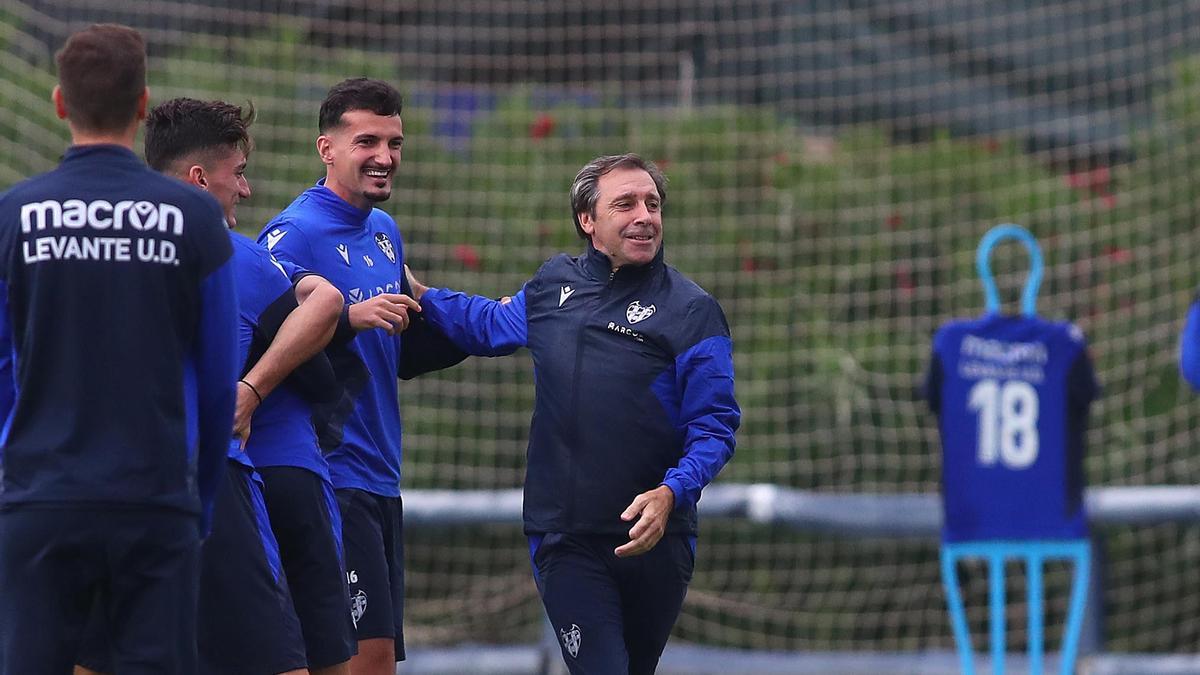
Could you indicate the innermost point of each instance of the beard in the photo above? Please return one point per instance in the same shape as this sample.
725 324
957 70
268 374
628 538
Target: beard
373 193
378 194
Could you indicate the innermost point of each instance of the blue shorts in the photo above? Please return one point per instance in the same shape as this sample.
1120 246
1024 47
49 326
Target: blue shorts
246 623
134 567
610 614
306 522
371 532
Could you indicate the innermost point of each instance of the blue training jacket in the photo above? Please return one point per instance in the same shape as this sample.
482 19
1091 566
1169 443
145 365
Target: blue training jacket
634 377
118 343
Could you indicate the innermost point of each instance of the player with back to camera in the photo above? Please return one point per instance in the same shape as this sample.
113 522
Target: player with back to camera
119 340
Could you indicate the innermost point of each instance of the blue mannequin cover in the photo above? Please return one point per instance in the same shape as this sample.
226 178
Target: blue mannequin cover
1012 396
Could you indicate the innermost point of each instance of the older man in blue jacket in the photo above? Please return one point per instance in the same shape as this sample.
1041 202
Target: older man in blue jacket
635 414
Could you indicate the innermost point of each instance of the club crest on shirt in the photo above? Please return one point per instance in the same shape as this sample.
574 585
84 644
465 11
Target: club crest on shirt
571 639
635 312
385 245
358 606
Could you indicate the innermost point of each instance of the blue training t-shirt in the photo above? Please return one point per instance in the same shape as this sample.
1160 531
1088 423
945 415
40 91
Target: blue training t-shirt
1012 397
281 432
361 253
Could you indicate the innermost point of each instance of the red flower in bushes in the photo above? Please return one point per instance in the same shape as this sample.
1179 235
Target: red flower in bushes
467 255
542 127
1118 254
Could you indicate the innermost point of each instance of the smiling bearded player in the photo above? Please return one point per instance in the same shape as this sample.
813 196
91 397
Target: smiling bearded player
334 229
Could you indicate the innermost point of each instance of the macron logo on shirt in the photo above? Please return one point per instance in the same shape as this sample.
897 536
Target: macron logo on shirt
273 238
74 214
564 293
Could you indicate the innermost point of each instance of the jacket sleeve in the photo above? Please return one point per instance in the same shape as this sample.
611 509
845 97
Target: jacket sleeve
8 386
215 356
424 348
479 326
1189 346
708 411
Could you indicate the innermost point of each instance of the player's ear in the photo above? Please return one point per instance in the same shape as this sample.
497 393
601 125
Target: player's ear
325 148
587 223
143 103
60 103
197 176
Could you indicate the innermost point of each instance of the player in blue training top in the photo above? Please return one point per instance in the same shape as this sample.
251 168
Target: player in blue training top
286 317
333 229
1012 395
119 343
1189 346
183 135
635 415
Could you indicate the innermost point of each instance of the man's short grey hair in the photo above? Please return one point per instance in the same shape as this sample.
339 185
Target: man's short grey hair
585 191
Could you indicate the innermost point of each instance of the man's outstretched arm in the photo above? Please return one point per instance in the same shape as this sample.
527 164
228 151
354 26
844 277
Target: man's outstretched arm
478 325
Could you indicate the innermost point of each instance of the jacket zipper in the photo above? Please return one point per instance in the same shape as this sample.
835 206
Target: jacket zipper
573 494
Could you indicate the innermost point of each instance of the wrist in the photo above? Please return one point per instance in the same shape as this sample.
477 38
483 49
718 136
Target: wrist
352 316
253 389
669 493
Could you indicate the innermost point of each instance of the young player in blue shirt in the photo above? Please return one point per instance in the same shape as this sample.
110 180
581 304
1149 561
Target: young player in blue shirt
118 330
286 316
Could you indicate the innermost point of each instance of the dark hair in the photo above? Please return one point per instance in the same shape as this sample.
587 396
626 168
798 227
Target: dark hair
182 126
358 93
585 190
102 74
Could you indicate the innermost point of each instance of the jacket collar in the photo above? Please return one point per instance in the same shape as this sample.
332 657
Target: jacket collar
103 151
599 266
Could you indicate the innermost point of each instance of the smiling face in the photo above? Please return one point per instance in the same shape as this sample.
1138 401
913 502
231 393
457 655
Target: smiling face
220 172
627 221
361 156
224 177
